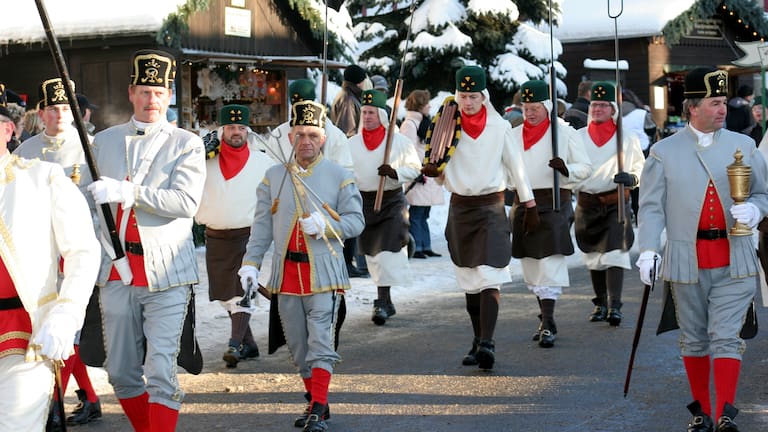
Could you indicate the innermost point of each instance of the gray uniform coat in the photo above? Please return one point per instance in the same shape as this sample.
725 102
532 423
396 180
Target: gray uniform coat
166 200
336 186
672 192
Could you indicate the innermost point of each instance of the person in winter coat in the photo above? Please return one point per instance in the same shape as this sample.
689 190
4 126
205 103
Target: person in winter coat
424 192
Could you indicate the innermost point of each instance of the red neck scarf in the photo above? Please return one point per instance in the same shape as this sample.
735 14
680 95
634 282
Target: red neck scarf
601 133
232 160
532 134
373 138
474 124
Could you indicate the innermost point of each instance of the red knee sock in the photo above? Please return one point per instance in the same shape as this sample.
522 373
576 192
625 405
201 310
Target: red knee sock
726 379
321 379
162 418
697 369
80 373
308 384
137 411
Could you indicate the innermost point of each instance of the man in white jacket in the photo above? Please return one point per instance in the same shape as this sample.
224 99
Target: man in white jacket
45 217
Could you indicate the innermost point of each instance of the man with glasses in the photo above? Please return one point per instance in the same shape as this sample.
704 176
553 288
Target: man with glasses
604 241
308 273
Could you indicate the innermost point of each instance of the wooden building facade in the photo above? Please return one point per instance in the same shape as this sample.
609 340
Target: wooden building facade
236 51
657 70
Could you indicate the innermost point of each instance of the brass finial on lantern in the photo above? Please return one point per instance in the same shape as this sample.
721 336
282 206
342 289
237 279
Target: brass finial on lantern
738 180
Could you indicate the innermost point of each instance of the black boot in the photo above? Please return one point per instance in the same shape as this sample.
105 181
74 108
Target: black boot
315 420
600 313
85 410
614 314
486 354
232 355
537 333
471 359
54 418
379 316
302 419
547 335
725 423
700 421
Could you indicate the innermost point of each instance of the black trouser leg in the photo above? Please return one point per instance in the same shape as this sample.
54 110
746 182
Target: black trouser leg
489 313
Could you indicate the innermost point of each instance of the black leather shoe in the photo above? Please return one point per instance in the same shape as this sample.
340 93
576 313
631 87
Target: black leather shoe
315 421
85 411
546 339
389 308
380 315
600 313
537 333
725 423
486 354
249 351
700 422
419 255
232 356
302 419
430 253
54 418
614 315
471 359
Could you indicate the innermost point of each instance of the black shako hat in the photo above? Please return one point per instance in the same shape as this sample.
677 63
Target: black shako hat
706 82
308 113
52 92
153 68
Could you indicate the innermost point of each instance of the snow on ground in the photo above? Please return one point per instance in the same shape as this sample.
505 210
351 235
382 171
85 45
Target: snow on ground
431 278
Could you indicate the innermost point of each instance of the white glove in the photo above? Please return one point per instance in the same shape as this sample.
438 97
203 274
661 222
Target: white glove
249 275
746 213
57 334
314 225
647 271
109 190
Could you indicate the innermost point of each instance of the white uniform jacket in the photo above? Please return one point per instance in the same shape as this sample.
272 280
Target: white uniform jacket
44 216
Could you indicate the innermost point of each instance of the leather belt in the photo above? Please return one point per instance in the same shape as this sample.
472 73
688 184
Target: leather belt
299 257
711 234
134 247
10 303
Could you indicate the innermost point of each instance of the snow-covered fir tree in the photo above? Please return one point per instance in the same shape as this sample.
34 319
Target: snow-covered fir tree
499 35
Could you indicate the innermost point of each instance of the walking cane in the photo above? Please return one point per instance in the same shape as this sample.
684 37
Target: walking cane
57 365
639 328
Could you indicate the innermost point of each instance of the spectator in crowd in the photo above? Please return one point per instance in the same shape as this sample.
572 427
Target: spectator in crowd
756 132
636 117
32 124
739 117
423 192
576 115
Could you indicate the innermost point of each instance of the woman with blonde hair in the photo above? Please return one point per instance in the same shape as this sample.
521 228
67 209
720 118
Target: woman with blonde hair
32 124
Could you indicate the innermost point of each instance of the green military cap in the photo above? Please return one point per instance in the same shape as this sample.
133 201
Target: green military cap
604 91
706 82
375 98
52 92
470 79
234 114
308 113
302 89
534 91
